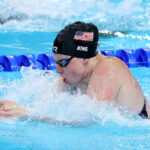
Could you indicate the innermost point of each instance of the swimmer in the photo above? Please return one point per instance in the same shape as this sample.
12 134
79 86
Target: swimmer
81 66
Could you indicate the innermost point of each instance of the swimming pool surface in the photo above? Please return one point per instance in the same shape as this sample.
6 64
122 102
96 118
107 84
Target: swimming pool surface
24 30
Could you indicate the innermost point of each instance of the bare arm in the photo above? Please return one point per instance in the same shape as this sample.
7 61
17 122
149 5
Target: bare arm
10 109
105 81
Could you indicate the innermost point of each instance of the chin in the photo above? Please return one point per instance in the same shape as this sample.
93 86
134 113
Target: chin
70 83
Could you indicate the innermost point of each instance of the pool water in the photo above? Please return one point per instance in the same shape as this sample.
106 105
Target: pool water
24 30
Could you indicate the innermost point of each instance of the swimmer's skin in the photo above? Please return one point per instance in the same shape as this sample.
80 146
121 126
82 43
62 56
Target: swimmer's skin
10 109
107 78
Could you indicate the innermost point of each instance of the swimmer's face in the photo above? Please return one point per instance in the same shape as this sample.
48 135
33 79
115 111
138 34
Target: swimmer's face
73 72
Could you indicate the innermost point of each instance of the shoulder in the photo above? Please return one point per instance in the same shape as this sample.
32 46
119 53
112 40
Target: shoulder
110 70
107 78
110 65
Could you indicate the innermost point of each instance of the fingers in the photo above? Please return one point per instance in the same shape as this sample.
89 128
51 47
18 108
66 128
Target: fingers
7 105
10 109
5 117
6 113
2 102
6 109
5 102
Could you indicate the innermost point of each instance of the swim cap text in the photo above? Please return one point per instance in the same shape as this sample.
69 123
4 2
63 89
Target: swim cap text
82 48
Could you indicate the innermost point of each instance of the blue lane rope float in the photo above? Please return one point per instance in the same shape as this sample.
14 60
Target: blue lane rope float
127 56
26 60
133 58
46 61
8 63
143 57
108 52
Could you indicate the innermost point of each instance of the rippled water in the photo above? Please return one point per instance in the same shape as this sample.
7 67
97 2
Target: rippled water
79 123
29 27
51 15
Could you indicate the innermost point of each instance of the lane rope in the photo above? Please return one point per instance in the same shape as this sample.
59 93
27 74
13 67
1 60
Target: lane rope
133 58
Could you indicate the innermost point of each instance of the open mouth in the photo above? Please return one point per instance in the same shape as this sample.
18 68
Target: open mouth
65 81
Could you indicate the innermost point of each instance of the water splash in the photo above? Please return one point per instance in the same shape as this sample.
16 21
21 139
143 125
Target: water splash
37 92
52 15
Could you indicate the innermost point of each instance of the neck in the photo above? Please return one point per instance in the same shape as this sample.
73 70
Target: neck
92 64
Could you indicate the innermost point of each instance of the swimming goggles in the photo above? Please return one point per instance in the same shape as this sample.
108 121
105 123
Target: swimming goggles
63 62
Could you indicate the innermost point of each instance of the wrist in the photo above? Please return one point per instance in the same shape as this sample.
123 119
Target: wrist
23 113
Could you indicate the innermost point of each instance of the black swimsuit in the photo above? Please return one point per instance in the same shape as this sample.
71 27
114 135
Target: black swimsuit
143 113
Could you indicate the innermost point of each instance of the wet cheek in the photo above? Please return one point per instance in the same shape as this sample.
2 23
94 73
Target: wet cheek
75 76
71 76
73 72
77 73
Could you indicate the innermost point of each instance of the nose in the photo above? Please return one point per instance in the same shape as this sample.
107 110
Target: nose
59 69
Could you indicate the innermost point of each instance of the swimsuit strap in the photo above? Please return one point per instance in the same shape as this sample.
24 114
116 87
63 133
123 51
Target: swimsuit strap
143 113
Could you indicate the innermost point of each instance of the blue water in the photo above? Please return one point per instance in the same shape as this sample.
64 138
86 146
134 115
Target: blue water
122 25
16 43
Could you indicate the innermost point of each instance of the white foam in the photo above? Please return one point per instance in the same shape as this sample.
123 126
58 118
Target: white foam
37 92
140 37
52 15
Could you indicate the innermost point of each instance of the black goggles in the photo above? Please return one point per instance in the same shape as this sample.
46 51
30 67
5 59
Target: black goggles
63 62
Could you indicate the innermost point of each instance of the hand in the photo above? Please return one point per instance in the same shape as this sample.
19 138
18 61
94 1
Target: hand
10 109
